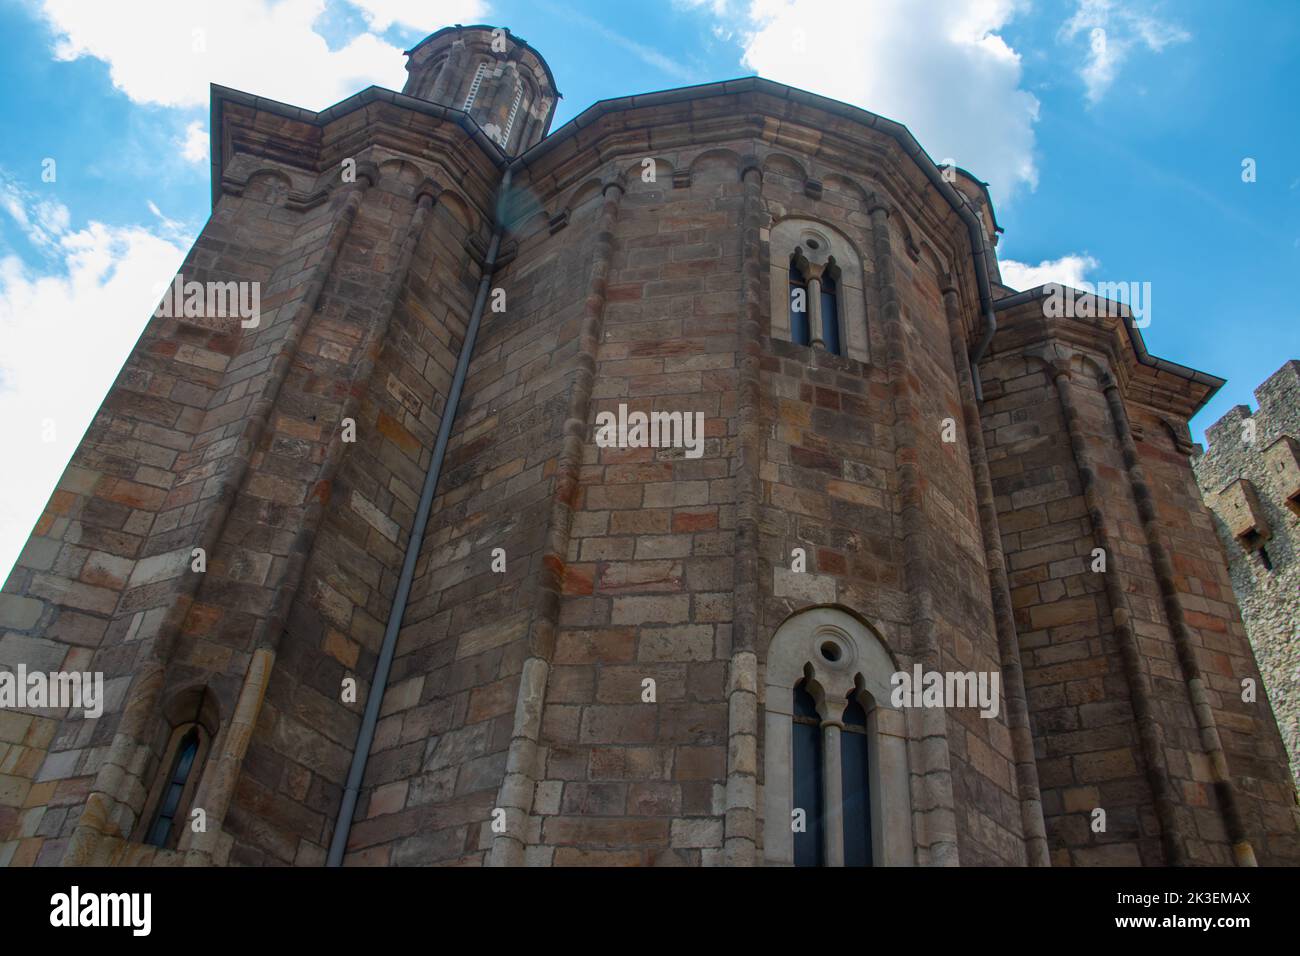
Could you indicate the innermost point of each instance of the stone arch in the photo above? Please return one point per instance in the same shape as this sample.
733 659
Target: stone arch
715 166
522 210
779 164
268 185
791 236
843 184
431 77
191 716
527 221
583 194
906 234
400 170
839 654
457 207
663 172
1083 363
195 703
934 259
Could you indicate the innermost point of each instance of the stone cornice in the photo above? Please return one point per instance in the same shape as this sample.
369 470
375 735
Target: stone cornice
309 150
1140 376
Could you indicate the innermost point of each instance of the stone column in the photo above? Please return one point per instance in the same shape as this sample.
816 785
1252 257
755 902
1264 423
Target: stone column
936 825
523 759
815 337
832 793
740 844
1183 643
1150 733
447 85
1013 678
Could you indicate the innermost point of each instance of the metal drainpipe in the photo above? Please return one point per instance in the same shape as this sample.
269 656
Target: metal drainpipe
979 253
379 683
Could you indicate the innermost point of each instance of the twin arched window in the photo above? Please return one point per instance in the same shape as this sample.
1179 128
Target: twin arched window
818 288
836 786
810 780
814 304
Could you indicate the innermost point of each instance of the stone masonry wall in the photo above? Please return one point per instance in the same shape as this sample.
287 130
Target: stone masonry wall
440 749
1107 653
517 691
108 557
1269 598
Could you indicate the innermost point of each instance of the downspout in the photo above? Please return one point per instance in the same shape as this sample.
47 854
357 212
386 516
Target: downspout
979 252
379 683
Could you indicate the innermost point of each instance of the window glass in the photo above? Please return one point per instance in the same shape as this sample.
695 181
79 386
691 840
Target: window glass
856 785
830 315
171 798
809 845
799 329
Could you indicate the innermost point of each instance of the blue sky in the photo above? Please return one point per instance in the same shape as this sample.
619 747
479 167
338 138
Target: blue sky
1112 133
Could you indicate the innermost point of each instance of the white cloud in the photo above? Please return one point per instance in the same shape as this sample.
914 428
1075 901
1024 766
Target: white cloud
381 14
66 335
262 47
1068 270
1113 31
940 68
40 220
195 145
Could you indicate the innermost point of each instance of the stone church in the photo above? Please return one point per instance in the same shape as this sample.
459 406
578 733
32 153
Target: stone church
363 588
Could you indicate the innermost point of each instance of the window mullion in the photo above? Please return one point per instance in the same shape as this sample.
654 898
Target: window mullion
832 782
817 339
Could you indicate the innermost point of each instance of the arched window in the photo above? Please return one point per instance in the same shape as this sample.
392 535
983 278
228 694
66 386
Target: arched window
798 304
830 313
809 840
805 254
835 755
161 830
474 85
193 719
510 119
855 760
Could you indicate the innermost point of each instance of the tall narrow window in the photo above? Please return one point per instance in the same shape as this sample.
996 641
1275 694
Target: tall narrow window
510 121
799 329
809 846
161 830
830 315
473 87
854 756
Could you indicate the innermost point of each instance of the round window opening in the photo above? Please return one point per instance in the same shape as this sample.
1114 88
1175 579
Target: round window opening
814 244
831 651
